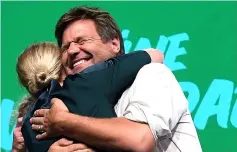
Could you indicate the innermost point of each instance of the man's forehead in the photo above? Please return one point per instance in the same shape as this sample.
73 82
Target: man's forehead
79 28
71 33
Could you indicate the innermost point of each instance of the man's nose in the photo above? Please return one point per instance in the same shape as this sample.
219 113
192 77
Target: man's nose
73 49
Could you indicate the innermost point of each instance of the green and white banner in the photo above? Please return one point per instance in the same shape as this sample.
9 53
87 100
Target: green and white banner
199 40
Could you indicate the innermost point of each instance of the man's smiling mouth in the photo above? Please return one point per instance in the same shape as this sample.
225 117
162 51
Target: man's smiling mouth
79 62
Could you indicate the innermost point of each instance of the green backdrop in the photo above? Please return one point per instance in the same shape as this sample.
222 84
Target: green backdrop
197 38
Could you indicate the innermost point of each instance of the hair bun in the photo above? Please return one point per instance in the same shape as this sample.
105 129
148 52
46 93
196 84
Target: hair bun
42 79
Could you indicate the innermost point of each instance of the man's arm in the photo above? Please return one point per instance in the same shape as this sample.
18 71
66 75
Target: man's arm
115 134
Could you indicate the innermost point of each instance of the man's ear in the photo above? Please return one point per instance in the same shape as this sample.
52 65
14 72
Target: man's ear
115 43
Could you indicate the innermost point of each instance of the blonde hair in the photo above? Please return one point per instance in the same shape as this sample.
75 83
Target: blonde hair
24 105
38 65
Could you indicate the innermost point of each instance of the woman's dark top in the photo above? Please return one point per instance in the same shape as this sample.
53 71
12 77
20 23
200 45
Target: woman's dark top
92 92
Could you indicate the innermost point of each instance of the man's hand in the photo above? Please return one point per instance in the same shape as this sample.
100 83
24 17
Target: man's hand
46 120
18 140
38 119
64 145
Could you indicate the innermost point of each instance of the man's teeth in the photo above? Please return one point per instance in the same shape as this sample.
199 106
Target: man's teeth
79 62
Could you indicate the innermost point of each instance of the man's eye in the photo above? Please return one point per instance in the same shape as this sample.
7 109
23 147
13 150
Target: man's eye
82 41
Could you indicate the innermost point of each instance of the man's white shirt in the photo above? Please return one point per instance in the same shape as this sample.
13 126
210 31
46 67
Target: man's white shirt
156 98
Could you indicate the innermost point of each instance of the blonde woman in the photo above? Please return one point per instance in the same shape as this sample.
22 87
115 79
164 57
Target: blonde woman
92 92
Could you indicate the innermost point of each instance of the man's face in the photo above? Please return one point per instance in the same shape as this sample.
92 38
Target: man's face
83 46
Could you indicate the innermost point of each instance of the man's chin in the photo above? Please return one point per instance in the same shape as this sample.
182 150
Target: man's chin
75 70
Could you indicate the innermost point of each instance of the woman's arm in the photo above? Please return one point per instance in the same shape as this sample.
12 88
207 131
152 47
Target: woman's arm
156 55
18 140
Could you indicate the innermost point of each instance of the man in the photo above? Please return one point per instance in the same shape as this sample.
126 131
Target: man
152 113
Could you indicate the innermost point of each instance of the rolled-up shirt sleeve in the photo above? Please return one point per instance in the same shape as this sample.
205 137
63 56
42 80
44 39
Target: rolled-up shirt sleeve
152 100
